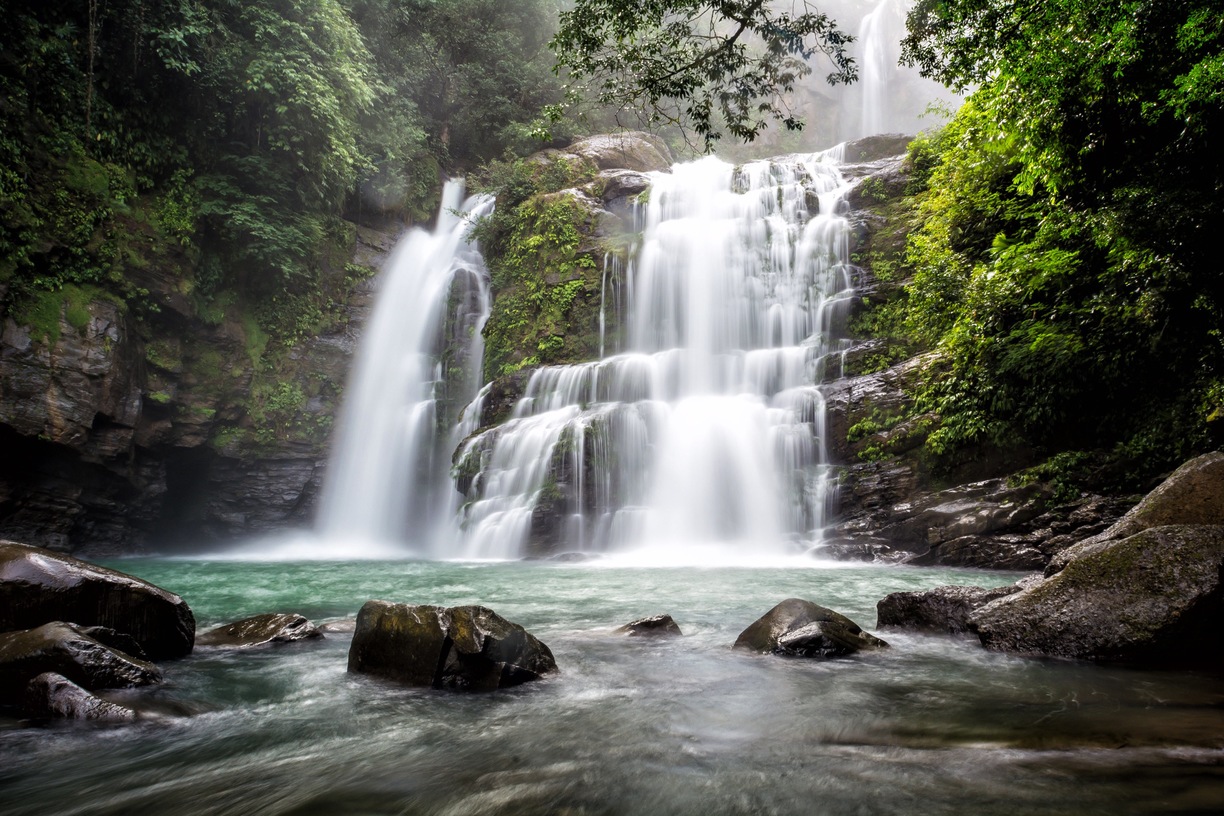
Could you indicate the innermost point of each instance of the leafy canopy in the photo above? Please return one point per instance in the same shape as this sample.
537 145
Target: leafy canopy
1066 265
707 66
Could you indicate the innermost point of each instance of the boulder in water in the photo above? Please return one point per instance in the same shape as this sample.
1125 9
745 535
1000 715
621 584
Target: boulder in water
654 626
469 648
69 650
801 628
1156 597
260 629
1192 494
38 586
53 696
942 609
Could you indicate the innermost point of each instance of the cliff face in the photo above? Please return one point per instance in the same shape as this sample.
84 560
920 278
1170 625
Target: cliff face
122 433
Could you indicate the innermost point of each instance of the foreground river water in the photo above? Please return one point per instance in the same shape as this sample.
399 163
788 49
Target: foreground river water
628 726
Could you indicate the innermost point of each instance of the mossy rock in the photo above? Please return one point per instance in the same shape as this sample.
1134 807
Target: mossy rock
546 286
1156 597
465 648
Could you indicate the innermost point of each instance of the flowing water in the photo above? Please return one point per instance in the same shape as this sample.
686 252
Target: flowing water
888 97
627 726
389 477
707 430
691 457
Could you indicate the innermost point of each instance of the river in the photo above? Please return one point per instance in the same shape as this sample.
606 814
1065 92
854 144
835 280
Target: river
627 725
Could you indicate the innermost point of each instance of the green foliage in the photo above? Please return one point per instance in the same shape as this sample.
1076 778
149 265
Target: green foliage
461 81
701 65
545 280
872 190
1061 267
46 312
219 141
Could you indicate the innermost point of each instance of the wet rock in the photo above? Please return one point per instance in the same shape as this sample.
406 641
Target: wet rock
261 629
634 150
574 557
58 390
37 586
1156 597
803 629
53 696
875 148
891 510
246 496
618 185
876 182
67 649
655 626
1192 494
942 609
504 392
114 435
469 648
345 626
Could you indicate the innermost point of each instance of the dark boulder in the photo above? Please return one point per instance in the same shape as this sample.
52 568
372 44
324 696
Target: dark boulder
468 648
53 696
261 629
1156 597
69 650
38 586
942 609
655 626
803 629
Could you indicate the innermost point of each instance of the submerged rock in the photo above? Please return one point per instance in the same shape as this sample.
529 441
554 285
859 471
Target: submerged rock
69 650
261 629
1153 597
801 628
655 626
942 609
38 586
51 695
344 626
469 648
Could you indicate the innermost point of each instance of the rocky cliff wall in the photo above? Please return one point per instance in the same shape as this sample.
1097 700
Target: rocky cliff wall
123 432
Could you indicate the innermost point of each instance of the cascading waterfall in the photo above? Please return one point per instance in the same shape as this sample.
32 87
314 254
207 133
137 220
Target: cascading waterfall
708 432
877 60
888 97
388 481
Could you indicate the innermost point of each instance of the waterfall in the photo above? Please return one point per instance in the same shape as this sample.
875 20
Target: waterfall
388 481
879 48
705 433
888 97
